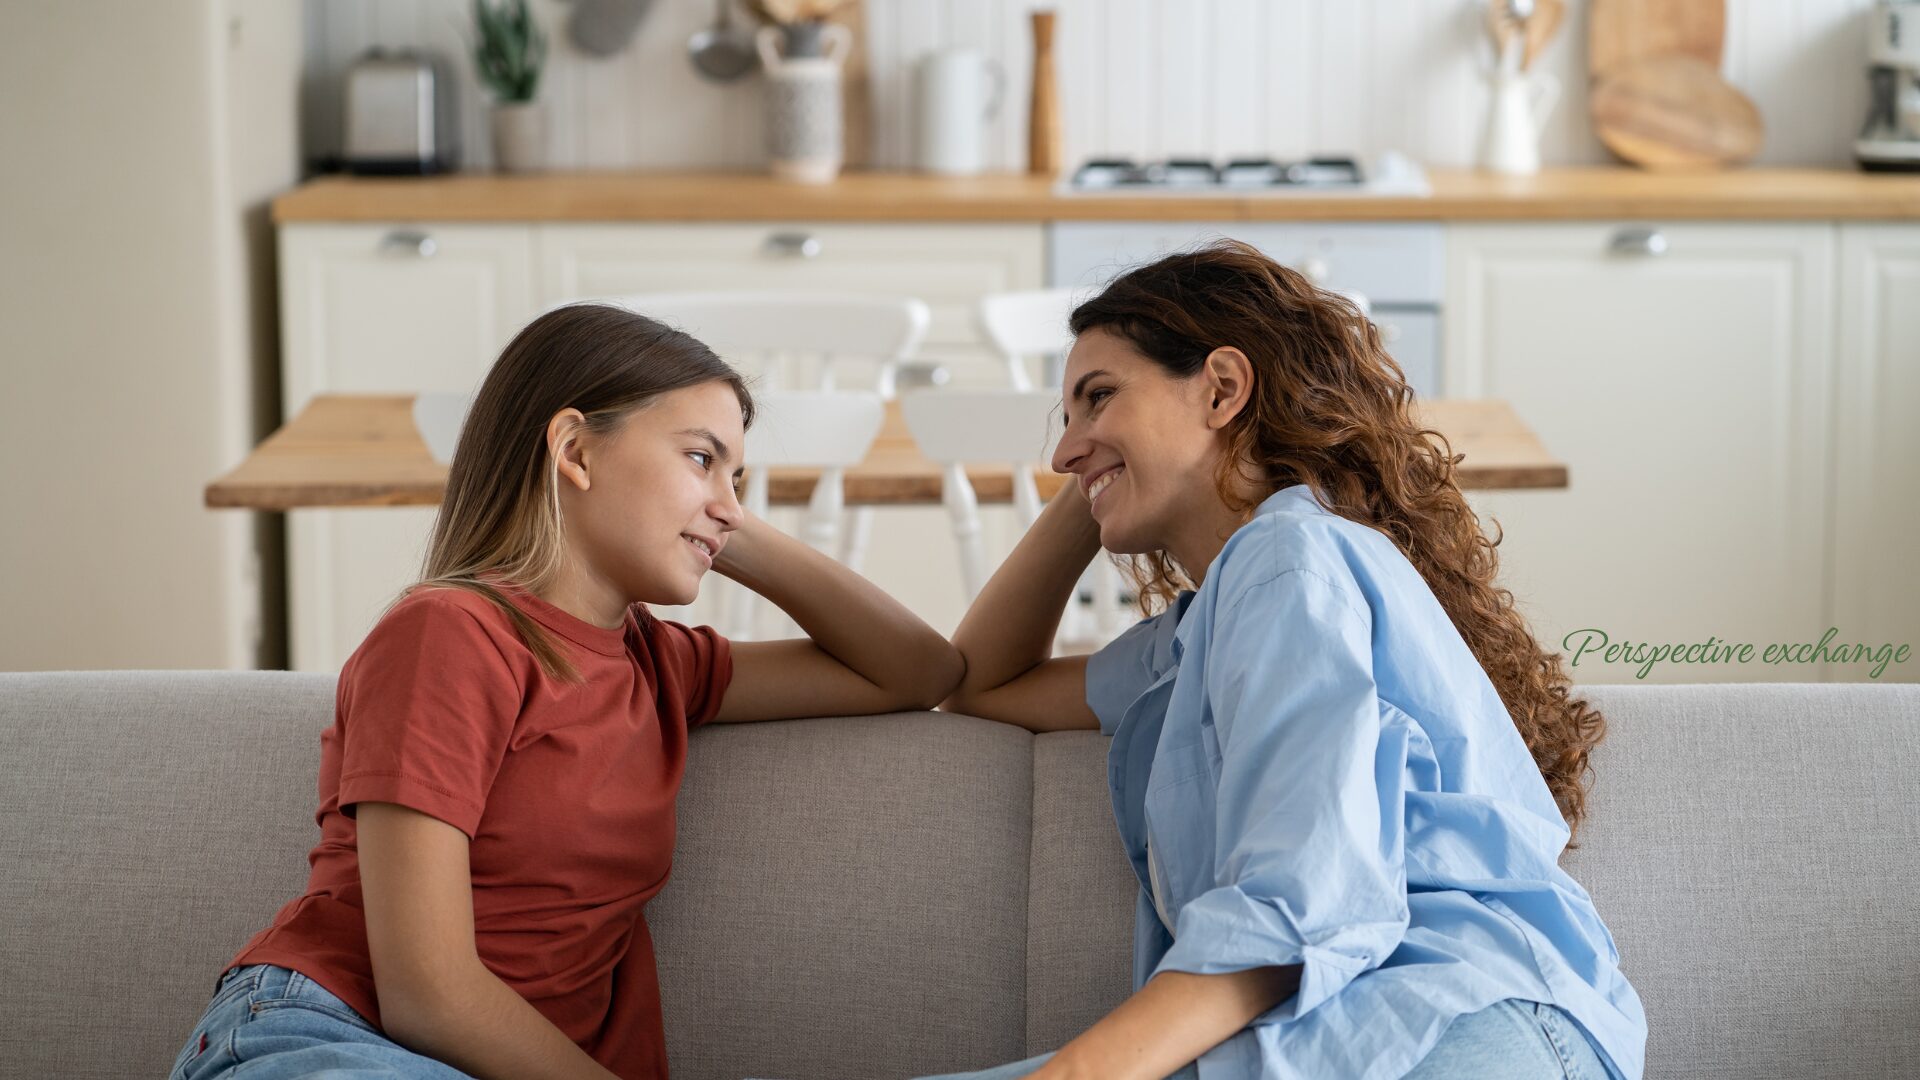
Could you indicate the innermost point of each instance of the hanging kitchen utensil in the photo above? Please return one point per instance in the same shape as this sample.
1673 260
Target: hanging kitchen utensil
1507 26
1545 22
604 27
1675 112
723 52
1622 31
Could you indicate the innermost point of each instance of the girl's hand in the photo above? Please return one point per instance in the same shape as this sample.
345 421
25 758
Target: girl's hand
738 551
864 653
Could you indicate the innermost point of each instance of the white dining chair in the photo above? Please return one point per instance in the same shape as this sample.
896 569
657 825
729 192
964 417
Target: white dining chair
773 333
1032 323
957 428
1027 323
798 340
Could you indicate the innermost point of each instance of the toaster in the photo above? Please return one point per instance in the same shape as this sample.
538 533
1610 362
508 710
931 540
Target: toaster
399 114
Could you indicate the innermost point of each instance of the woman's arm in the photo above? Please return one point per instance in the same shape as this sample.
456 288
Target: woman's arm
436 997
864 652
1006 638
1174 1019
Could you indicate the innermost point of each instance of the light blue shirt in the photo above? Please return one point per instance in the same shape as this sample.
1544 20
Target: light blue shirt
1330 779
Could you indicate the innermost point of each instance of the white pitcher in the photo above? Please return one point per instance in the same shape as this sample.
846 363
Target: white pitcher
1518 106
956 94
804 141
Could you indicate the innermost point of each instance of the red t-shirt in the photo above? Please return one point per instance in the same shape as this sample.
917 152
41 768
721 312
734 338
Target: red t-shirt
566 793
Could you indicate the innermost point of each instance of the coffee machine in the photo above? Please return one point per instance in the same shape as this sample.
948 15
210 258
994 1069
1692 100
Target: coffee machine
1890 141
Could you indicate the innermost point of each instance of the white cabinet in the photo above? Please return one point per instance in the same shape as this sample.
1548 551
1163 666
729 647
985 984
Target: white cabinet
1876 491
1689 393
372 309
404 308
948 266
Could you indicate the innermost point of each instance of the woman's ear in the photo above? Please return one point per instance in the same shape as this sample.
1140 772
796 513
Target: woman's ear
564 433
1229 385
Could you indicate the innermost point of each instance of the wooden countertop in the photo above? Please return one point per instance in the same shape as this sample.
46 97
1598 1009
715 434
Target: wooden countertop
363 450
1600 192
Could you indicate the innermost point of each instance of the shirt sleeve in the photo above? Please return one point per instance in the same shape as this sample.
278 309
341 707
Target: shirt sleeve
1310 829
1121 670
694 665
429 708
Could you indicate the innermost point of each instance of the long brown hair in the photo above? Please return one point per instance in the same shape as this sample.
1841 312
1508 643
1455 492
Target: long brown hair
1332 410
500 520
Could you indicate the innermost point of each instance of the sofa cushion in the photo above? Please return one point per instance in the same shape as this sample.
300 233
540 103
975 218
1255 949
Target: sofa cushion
1755 850
153 821
849 899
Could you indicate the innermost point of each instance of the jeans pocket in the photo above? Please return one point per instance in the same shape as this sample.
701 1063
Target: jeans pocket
238 983
209 1040
303 993
206 1053
1577 1058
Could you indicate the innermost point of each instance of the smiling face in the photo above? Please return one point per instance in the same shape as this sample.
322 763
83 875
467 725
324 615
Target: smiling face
648 507
1143 445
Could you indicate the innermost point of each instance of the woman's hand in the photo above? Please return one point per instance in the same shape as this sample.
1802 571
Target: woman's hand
864 651
1007 636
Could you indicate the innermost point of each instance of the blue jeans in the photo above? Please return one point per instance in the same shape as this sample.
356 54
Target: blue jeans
282 1024
1508 1040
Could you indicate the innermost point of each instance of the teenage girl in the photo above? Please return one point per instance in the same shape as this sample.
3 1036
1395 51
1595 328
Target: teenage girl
1342 768
497 789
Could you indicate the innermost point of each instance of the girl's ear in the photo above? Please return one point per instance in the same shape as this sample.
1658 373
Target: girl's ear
1229 385
564 433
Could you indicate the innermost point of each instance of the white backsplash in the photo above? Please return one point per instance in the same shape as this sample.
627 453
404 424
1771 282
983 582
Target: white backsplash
1138 78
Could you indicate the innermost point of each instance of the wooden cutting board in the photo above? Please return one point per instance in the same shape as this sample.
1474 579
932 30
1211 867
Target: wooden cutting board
1621 31
1675 112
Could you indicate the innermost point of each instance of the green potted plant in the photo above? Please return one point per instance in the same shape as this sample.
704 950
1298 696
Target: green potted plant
508 55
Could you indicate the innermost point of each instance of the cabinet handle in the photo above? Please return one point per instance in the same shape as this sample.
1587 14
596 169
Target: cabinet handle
409 242
794 245
1638 241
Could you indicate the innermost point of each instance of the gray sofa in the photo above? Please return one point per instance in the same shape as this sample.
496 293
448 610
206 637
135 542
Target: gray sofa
892 896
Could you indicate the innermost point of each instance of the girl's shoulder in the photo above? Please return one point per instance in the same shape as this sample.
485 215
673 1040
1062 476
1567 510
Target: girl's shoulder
451 629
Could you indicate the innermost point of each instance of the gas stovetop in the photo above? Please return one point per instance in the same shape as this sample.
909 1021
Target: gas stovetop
1389 174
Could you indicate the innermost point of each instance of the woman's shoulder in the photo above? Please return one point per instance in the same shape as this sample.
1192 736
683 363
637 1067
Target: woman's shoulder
1281 542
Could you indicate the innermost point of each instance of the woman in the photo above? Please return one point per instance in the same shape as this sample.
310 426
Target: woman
497 790
1341 766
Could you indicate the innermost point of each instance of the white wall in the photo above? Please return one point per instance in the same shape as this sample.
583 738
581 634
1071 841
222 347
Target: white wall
1143 78
141 142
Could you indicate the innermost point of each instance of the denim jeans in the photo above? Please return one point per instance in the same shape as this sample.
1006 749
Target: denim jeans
1508 1040
282 1024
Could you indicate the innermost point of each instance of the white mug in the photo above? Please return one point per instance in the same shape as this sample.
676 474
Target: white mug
957 91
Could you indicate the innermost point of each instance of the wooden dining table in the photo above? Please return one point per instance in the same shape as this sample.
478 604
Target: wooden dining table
345 450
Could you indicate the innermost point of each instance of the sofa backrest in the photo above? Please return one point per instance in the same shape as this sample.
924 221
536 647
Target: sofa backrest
894 896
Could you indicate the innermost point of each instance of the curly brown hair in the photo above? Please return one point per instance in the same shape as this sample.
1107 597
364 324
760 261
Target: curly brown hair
1332 410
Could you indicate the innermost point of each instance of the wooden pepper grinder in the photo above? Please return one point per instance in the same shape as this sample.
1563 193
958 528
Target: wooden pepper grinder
1043 119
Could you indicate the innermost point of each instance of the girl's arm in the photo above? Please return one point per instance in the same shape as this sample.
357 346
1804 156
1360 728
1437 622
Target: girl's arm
864 652
1007 636
436 996
1174 1019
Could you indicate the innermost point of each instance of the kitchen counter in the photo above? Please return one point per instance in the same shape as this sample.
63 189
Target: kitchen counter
1601 192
